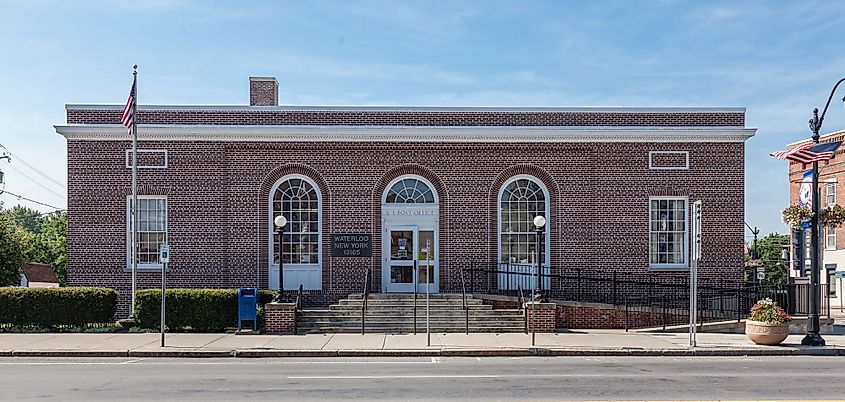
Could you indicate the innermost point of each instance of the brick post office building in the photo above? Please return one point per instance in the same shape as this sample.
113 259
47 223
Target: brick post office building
463 183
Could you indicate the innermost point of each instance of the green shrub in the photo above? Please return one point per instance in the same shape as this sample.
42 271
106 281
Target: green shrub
195 309
48 307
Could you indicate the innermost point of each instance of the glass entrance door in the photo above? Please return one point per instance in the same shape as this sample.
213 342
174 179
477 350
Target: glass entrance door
411 259
401 261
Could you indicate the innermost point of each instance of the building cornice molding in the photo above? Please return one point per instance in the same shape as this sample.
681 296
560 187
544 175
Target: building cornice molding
493 134
456 109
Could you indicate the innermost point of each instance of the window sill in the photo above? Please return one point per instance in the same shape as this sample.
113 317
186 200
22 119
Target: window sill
662 268
146 268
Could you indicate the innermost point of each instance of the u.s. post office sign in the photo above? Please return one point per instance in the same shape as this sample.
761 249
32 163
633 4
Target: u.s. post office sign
352 245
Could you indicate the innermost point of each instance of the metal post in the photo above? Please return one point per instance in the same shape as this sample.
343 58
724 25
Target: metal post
134 246
281 263
427 292
163 298
416 283
813 337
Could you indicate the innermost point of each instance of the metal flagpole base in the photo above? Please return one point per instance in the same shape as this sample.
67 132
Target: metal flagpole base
813 340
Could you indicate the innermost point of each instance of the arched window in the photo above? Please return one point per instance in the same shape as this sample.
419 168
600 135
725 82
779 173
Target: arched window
299 200
410 191
521 199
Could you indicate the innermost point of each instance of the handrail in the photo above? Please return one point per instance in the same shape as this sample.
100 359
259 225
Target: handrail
297 309
666 297
522 306
364 297
464 296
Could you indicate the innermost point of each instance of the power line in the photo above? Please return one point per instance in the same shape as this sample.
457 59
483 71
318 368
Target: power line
20 197
18 158
36 182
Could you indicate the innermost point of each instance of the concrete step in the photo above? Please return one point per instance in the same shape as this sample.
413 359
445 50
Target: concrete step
374 296
409 313
409 329
408 307
471 302
394 313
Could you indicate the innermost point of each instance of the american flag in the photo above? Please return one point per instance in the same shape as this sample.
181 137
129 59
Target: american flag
809 152
128 116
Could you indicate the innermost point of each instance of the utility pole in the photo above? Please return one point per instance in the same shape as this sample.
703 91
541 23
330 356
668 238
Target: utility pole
755 232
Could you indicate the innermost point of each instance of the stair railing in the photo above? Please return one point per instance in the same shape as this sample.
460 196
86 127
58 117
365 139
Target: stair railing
297 309
364 298
522 307
464 297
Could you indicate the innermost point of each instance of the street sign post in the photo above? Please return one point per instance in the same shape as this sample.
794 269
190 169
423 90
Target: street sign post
693 272
163 258
428 292
841 276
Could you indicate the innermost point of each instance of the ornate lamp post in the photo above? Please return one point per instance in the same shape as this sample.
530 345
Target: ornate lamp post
280 222
539 224
813 338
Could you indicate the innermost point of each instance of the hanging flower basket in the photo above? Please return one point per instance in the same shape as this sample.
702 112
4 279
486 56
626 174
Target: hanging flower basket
795 215
833 216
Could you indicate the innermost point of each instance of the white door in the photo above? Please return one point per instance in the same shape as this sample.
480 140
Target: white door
409 259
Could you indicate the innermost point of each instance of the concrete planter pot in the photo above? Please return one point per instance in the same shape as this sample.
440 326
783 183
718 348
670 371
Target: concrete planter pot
763 333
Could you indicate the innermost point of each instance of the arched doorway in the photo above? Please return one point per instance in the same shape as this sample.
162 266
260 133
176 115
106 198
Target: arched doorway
410 237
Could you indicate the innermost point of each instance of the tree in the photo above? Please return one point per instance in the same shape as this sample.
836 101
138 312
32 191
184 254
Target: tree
769 250
29 235
14 245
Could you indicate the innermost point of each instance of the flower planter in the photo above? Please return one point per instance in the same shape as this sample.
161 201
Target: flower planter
763 333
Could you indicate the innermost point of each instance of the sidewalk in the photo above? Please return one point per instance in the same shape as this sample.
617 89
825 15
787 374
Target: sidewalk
571 343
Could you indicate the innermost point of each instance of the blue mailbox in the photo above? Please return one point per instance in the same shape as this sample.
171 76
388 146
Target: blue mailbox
248 306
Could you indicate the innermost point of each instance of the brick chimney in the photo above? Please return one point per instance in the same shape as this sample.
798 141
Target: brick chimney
263 91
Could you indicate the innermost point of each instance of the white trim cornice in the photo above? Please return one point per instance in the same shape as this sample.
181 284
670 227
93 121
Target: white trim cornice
492 134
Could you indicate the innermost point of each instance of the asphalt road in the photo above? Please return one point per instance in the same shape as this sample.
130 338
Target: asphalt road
453 379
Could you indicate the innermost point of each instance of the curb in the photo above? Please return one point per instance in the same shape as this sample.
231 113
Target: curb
69 353
514 352
182 353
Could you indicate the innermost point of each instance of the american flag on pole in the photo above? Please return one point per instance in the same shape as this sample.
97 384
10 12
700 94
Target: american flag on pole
809 152
128 116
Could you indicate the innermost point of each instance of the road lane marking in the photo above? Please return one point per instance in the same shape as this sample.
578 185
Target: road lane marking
385 377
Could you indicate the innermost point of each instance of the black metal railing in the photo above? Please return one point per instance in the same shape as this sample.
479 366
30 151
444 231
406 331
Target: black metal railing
298 307
464 301
521 300
364 296
649 300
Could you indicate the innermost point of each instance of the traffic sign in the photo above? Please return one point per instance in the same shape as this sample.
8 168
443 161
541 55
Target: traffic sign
839 274
164 253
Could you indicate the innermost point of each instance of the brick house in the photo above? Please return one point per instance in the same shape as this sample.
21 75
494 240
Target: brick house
456 184
832 239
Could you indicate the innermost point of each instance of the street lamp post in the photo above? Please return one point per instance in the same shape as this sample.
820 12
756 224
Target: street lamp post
539 224
280 222
813 337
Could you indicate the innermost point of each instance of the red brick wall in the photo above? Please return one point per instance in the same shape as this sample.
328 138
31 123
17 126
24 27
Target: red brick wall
218 206
279 318
541 318
407 118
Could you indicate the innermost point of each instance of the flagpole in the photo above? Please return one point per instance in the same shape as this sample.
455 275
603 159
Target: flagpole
134 249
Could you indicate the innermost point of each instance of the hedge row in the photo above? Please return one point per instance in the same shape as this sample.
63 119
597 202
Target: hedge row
48 307
194 309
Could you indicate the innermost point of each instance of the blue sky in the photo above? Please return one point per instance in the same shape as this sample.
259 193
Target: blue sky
778 59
